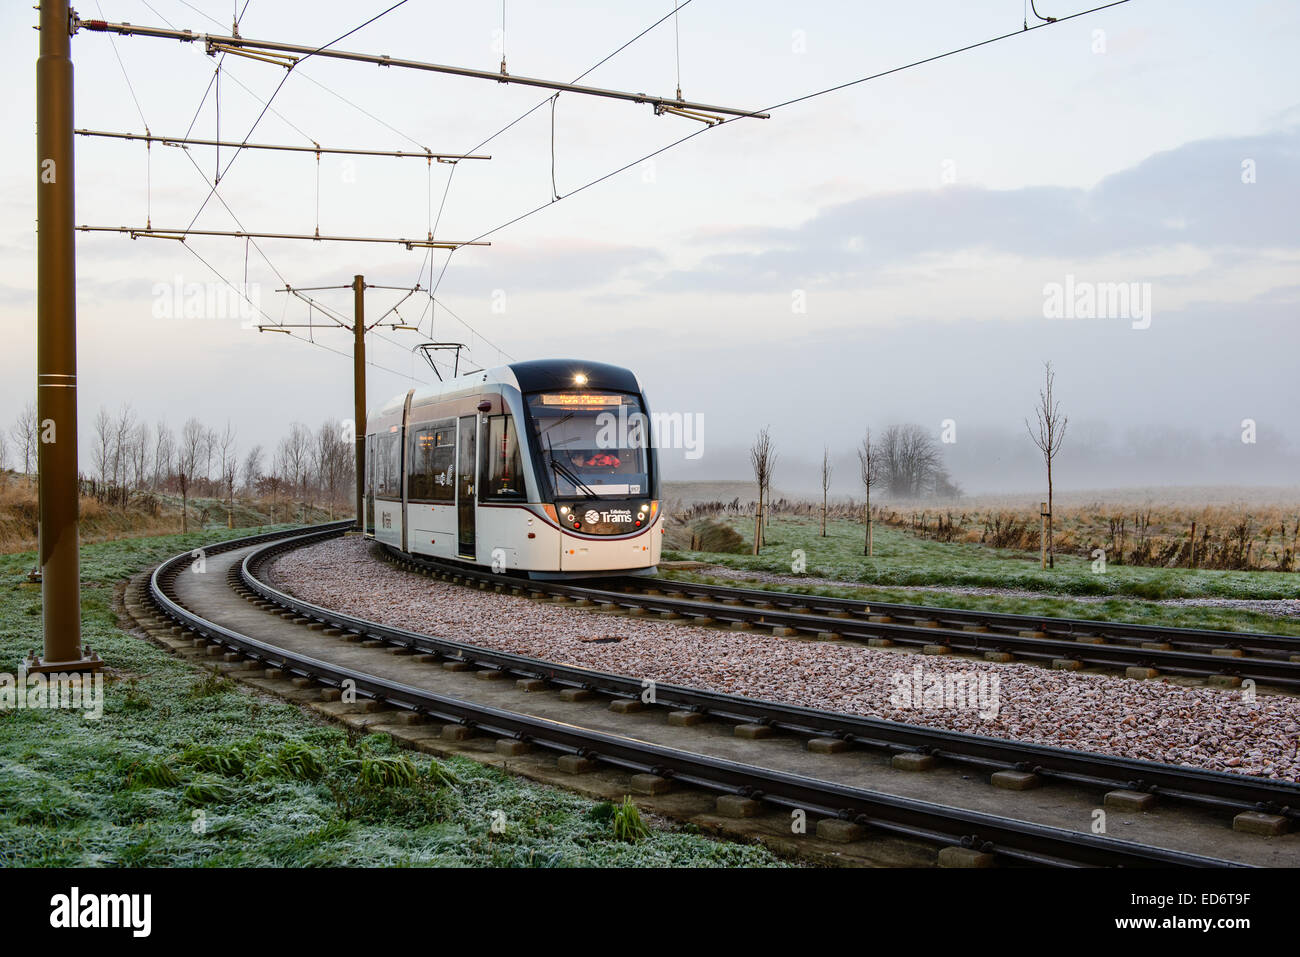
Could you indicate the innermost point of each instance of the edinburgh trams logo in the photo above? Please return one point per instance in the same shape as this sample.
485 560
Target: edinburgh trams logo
613 516
75 910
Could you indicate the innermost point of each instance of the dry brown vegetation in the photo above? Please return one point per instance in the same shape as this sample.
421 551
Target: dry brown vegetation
99 522
1258 537
1248 534
146 514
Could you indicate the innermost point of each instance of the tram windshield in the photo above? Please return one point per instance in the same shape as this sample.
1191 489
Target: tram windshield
591 444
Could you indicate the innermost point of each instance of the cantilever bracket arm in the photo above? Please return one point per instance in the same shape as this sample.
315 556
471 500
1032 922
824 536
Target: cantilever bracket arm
676 103
156 232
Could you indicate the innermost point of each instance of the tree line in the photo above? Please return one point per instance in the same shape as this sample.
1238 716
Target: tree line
907 461
131 458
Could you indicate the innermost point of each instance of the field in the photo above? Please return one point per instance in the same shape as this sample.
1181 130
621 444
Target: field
152 514
909 567
185 769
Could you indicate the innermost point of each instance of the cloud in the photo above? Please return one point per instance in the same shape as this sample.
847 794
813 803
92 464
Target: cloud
1193 196
555 267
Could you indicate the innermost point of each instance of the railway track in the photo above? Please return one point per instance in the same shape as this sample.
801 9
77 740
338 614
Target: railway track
1140 651
254 630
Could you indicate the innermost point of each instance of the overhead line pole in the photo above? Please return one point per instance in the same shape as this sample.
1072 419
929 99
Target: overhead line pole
213 41
359 330
359 390
56 352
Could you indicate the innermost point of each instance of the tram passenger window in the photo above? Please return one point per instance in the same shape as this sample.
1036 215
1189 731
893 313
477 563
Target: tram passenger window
393 465
370 464
432 463
388 465
503 478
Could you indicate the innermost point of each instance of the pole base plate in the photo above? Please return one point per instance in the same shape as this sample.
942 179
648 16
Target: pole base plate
36 665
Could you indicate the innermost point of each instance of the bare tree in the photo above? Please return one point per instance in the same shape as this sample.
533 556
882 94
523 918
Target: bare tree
333 461
164 449
228 464
275 480
24 433
123 427
869 466
910 462
210 440
762 457
189 458
101 453
294 458
252 469
826 483
139 445
4 460
1048 438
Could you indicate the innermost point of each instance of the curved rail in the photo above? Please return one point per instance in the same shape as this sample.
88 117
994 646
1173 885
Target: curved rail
1017 840
1215 789
1273 659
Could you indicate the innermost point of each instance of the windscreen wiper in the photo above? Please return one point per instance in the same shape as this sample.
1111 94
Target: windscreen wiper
567 473
578 483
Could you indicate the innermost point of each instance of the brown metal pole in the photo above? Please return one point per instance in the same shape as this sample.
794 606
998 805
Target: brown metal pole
359 387
56 350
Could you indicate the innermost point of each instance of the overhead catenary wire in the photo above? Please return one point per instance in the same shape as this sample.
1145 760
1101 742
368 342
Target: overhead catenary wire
315 147
677 42
769 109
800 99
434 285
130 87
213 83
267 107
424 150
235 44
289 69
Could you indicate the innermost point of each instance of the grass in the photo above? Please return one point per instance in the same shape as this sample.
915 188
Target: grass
904 559
189 769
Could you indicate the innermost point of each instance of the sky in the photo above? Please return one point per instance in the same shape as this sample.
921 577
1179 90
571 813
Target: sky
886 253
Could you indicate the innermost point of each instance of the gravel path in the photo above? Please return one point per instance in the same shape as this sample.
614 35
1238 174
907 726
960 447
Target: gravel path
1201 727
1281 607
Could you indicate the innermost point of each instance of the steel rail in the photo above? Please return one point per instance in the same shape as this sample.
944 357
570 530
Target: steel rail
1213 789
1073 627
1018 840
846 624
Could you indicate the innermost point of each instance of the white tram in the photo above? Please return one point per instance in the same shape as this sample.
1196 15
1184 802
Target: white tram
543 467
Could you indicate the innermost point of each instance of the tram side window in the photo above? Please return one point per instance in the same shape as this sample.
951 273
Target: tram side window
503 478
388 468
432 463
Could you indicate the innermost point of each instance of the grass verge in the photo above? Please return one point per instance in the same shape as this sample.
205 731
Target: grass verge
188 769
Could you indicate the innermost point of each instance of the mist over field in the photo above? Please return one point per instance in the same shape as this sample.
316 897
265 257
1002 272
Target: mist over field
990 462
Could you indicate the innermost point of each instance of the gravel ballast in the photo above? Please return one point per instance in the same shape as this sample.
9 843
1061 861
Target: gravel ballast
1218 729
